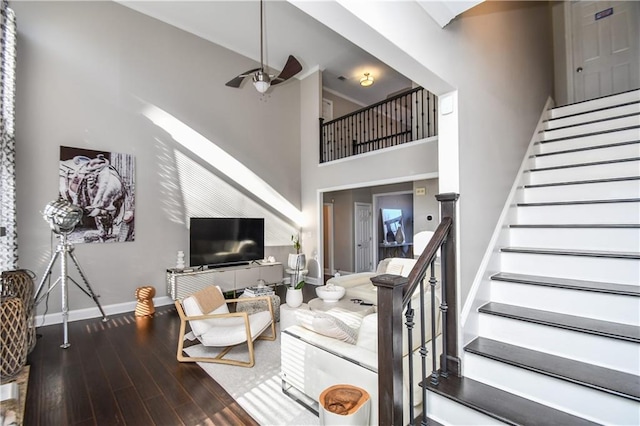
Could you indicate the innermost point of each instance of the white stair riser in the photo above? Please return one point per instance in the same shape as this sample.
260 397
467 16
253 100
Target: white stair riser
619 152
605 352
620 136
599 126
588 304
619 271
623 213
448 412
581 192
622 98
571 174
607 239
594 115
572 398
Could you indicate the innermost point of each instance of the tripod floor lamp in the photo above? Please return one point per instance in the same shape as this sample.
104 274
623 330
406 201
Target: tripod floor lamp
63 217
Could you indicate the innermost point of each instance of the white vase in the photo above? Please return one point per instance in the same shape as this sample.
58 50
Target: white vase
294 297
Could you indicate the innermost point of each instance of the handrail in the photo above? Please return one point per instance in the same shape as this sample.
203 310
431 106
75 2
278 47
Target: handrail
377 104
395 311
427 257
405 117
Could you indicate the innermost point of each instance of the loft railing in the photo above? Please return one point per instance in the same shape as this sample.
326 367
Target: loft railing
395 305
406 117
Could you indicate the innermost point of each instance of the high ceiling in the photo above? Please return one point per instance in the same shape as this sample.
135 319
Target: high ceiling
236 26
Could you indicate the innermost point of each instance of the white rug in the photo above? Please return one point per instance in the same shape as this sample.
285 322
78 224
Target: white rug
259 389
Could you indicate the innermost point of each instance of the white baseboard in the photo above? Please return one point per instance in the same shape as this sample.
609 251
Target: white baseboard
88 313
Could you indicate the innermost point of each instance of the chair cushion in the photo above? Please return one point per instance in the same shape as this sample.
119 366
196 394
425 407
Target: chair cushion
232 331
199 327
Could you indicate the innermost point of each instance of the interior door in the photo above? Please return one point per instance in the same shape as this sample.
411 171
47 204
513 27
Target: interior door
605 42
363 237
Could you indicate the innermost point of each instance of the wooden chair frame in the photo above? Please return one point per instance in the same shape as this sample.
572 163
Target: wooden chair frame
220 357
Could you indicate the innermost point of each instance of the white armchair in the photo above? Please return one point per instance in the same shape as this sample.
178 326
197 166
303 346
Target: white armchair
215 326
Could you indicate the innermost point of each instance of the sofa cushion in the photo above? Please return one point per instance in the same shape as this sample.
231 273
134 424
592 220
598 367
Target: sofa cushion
328 325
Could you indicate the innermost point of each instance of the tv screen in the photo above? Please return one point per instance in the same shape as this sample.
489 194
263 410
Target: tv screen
217 241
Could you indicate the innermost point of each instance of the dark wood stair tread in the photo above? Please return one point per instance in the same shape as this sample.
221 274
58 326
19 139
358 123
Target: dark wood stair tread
584 135
602 328
608 107
578 225
573 252
578 202
585 148
593 286
501 405
582 182
603 379
589 164
584 123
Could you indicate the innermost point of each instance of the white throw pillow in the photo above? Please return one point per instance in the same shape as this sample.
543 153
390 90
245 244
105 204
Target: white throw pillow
394 269
328 325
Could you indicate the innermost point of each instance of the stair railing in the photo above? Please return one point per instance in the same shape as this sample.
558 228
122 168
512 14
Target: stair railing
395 296
405 117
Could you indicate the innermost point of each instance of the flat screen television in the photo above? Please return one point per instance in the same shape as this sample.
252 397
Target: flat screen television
220 241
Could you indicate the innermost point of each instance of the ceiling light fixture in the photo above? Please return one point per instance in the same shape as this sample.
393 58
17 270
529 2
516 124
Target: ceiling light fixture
367 80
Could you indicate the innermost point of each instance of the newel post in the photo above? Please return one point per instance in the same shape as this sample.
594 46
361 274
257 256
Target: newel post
450 360
390 289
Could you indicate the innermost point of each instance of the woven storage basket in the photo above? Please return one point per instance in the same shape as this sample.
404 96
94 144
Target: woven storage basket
13 341
19 283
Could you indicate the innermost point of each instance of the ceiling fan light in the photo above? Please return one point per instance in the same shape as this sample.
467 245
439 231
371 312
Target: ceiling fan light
261 81
367 80
261 86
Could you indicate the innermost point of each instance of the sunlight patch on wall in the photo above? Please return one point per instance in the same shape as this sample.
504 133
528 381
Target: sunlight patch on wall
222 161
207 195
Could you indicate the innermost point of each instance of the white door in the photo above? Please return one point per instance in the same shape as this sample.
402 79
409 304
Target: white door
363 237
327 237
605 48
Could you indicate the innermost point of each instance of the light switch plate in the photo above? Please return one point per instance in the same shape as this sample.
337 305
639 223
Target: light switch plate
421 191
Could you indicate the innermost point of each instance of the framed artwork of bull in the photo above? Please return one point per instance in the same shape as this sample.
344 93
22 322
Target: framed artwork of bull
102 183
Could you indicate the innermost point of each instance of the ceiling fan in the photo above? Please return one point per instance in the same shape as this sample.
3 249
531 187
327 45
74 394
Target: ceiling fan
262 80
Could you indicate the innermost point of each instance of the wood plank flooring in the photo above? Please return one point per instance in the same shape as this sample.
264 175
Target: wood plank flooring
124 372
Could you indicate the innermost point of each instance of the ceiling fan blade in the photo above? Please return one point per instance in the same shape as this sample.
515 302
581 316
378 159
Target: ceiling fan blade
291 68
237 81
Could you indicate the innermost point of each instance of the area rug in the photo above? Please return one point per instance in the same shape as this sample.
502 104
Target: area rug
259 389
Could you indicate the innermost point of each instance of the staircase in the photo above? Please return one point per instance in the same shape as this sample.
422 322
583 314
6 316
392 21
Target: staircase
558 342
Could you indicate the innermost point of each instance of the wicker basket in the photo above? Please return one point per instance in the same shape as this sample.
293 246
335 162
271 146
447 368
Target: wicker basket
13 341
19 283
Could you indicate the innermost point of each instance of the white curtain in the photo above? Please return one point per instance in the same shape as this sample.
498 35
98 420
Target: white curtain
8 232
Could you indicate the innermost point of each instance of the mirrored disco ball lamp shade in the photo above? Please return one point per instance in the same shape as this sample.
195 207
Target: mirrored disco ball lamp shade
62 216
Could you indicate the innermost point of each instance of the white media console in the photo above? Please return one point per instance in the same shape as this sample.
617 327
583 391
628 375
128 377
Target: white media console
181 284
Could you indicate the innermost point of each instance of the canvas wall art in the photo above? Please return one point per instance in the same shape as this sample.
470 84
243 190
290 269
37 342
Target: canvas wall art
102 183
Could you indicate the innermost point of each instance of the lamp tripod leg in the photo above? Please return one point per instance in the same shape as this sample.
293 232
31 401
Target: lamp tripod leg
89 290
47 272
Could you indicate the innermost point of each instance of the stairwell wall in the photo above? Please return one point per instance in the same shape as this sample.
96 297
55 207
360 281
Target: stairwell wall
498 58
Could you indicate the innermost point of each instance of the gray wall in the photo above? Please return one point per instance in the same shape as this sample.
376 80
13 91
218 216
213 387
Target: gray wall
498 56
89 73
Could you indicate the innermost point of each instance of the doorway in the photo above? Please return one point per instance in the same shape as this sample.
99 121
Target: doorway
328 238
363 235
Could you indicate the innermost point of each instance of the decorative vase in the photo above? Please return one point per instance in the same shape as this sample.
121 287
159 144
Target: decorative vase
180 260
399 235
294 297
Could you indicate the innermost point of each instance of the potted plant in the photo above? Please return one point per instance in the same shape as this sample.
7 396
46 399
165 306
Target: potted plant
298 258
294 291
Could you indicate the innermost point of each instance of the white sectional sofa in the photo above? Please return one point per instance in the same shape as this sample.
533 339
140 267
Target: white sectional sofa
312 362
359 285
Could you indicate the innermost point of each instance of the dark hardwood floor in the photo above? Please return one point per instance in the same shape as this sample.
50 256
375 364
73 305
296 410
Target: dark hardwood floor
124 372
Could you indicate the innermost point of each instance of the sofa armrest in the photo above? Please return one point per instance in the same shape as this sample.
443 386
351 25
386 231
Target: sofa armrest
352 280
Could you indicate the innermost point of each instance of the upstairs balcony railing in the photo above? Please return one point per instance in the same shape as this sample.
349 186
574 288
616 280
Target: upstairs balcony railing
406 117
